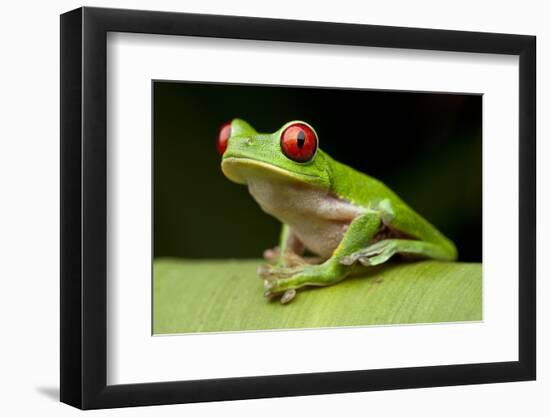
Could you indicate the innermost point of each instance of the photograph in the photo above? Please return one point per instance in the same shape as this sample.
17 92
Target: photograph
301 207
296 204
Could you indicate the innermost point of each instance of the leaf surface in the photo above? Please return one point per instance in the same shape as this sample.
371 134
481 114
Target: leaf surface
226 295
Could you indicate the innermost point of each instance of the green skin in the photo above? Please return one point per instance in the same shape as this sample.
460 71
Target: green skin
342 216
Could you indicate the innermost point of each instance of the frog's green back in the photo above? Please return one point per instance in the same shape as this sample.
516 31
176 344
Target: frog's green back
355 186
368 192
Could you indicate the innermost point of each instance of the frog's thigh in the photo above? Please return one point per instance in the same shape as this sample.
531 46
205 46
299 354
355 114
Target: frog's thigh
361 231
381 251
430 242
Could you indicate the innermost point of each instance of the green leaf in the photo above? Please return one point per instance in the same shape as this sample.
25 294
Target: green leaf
226 295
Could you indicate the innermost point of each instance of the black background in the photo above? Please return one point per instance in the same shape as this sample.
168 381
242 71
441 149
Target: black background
427 147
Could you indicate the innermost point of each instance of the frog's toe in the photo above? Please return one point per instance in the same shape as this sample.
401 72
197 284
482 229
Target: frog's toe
272 255
288 296
264 271
377 259
269 294
354 258
271 272
349 260
373 255
292 260
278 285
272 287
363 258
285 297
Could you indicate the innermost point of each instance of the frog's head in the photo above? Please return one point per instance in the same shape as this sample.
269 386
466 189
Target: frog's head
290 154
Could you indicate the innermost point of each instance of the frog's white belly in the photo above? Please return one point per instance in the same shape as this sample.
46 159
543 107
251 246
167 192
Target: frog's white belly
318 219
320 237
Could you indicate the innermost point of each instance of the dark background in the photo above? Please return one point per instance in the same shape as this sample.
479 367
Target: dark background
425 146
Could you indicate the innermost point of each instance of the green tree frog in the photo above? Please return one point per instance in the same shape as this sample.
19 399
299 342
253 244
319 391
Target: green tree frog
343 217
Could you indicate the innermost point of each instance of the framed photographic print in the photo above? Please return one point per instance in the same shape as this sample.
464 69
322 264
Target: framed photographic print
257 208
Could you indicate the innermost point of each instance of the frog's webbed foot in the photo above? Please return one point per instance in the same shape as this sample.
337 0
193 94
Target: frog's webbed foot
284 282
286 296
272 255
273 275
383 250
272 272
288 258
375 254
366 257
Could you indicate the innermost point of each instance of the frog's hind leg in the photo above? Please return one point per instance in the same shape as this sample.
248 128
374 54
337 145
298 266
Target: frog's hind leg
383 250
407 234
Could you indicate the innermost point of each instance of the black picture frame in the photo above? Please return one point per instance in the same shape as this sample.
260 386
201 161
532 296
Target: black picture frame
84 197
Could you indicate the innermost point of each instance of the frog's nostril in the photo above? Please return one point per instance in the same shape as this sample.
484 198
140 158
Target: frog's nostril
248 142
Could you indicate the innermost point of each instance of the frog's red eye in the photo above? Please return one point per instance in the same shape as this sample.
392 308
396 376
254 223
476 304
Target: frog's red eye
299 142
223 137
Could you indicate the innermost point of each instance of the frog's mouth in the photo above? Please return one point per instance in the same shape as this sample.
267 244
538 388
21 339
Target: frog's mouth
241 169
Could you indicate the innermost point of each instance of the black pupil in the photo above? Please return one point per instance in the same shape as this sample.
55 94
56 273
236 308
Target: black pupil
301 139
